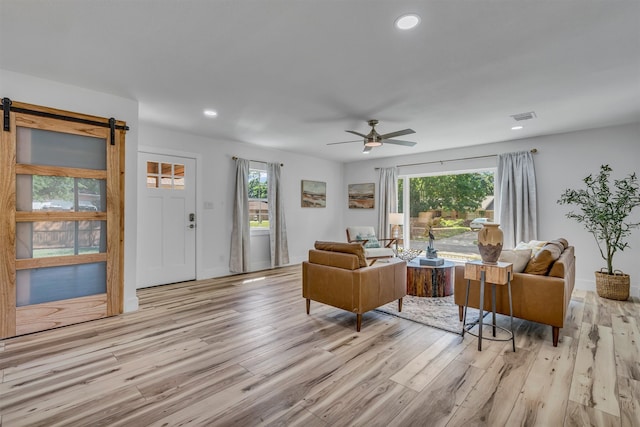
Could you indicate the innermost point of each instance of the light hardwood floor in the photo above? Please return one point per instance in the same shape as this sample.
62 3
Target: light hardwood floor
242 351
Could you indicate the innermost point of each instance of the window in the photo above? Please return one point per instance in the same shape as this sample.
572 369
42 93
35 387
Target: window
447 204
168 176
258 207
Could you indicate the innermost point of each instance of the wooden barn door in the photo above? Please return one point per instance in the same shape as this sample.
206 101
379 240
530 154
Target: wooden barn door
61 218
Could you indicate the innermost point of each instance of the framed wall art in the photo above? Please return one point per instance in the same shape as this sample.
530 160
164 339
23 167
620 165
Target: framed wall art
361 196
314 194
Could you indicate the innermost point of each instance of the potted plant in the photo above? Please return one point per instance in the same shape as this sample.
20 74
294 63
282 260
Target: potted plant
604 211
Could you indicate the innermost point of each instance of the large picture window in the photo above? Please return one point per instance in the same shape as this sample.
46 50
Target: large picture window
447 205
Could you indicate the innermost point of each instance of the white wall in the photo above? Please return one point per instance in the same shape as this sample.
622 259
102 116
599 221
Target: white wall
562 161
304 225
32 90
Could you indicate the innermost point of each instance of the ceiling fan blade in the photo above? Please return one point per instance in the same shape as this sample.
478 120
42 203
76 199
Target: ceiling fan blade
344 142
367 149
397 133
356 133
400 142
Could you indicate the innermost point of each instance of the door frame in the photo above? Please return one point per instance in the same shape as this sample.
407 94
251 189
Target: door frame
147 149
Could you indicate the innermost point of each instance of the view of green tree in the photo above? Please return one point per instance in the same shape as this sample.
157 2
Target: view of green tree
47 188
52 188
257 184
461 192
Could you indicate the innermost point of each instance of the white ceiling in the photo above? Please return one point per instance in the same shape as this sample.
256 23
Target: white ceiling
295 74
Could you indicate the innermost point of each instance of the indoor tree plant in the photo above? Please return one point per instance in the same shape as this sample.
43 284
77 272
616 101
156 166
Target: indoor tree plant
604 211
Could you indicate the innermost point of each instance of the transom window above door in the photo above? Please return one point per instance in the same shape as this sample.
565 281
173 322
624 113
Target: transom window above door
168 176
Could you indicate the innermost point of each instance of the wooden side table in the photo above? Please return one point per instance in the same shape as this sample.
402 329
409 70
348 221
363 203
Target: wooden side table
430 281
495 274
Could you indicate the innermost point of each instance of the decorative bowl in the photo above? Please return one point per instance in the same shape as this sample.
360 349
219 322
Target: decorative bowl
407 254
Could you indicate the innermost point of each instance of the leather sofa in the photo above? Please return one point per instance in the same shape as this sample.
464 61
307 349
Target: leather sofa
337 274
542 297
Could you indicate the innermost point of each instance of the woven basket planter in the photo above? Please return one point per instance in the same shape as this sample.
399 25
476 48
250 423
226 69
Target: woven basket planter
613 286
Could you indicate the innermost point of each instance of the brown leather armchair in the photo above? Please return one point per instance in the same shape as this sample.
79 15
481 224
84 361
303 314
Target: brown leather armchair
337 274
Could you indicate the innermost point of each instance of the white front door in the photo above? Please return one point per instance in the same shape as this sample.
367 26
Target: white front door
167 222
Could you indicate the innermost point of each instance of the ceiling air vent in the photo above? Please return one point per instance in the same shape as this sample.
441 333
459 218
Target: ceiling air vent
524 116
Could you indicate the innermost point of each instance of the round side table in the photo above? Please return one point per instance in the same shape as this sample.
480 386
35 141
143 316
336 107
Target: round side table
429 281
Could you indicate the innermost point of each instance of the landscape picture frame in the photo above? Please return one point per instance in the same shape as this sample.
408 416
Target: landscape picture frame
313 194
362 196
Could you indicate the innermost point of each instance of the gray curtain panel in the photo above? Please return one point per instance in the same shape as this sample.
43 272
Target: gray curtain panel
240 237
516 198
277 227
387 199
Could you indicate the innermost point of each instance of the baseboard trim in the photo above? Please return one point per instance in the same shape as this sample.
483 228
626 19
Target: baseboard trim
131 304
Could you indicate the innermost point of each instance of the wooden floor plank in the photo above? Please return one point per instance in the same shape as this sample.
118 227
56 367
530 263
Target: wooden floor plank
580 415
436 405
626 340
493 397
241 350
420 371
544 396
594 379
629 392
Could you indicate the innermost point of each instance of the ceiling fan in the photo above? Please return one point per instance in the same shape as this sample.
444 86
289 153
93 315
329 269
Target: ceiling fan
374 139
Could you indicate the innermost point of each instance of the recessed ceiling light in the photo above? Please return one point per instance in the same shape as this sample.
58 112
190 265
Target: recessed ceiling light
407 22
210 113
517 127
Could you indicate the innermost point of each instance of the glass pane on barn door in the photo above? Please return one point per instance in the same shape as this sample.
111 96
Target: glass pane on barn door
61 194
40 285
60 238
48 148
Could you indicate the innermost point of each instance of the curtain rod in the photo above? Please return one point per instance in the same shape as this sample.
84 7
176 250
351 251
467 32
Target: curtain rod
257 161
533 151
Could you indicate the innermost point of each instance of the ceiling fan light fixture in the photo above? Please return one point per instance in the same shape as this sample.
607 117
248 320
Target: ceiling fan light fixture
373 143
408 21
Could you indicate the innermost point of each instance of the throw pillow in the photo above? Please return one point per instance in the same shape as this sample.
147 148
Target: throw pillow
372 241
518 257
563 241
347 248
558 244
541 262
534 245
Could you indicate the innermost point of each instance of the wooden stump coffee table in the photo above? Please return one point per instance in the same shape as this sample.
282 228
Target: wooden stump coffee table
429 281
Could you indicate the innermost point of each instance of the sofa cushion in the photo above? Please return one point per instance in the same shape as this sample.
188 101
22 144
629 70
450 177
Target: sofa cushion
334 259
534 245
557 244
518 257
541 262
348 248
564 242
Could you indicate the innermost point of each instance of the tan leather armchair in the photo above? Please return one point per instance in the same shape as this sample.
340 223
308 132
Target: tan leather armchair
338 275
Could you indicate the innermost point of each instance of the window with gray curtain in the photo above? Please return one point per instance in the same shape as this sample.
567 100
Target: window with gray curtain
387 199
516 198
277 227
240 237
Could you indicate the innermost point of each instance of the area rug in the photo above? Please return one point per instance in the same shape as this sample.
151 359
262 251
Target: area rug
439 313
